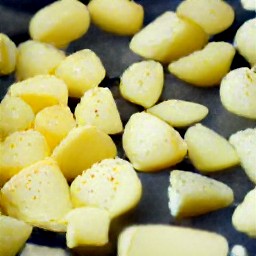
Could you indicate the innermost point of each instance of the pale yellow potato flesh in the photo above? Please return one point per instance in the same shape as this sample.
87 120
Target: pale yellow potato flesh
168 38
191 194
121 17
205 67
249 5
39 250
142 83
209 151
238 250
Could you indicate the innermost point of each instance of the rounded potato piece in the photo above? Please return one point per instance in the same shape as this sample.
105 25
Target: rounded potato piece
111 184
208 151
39 250
122 17
167 240
214 16
142 83
238 250
36 58
81 71
205 67
38 195
249 5
151 144
14 233
238 92
60 22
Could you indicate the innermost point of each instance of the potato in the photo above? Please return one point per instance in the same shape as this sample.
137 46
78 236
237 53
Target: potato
179 113
243 218
111 184
245 39
41 91
151 144
238 92
214 16
67 20
86 145
205 67
209 151
36 58
13 235
238 250
38 250
87 226
191 194
168 38
164 240
142 83
15 115
121 17
54 123
8 53
248 5
38 195
97 107
81 71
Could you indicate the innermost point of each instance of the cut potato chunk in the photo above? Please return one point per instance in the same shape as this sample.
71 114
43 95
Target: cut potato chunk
41 91
205 67
81 71
122 17
97 107
81 148
238 250
238 92
168 38
142 83
249 5
13 235
112 185
151 144
38 195
208 151
152 240
87 226
60 22
243 217
38 250
214 16
179 113
191 194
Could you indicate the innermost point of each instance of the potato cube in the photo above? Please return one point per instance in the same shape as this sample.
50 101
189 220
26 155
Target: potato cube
38 250
142 83
209 151
97 107
205 67
151 144
111 184
191 194
38 195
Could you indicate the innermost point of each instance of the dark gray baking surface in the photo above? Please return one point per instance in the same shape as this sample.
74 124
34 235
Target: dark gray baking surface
116 56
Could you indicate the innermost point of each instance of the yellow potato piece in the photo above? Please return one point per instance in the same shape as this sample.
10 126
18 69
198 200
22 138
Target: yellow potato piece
38 195
36 58
179 113
54 123
111 184
209 151
122 17
81 71
142 83
41 91
13 235
151 144
238 92
60 22
97 107
87 226
243 217
205 67
38 250
214 16
164 240
8 53
168 38
191 194
81 148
